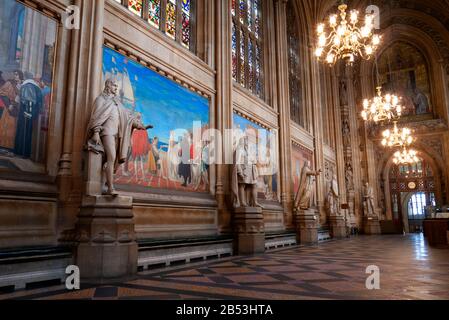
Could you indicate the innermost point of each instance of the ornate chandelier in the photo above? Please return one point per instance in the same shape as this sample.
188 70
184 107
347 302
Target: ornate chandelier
405 156
346 39
381 108
397 138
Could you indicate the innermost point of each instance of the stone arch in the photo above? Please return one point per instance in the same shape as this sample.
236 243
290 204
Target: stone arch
430 51
386 164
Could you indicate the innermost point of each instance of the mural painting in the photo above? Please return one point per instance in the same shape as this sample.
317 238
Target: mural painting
403 71
265 143
299 156
166 156
27 49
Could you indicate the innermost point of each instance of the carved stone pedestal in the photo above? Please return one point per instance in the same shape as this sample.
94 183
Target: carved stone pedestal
371 225
93 172
106 238
249 231
307 226
338 226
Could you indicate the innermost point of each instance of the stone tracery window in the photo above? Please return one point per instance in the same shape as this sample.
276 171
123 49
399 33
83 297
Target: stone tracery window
297 110
247 45
175 18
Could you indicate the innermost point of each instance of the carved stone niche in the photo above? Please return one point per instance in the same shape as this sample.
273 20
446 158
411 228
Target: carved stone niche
107 247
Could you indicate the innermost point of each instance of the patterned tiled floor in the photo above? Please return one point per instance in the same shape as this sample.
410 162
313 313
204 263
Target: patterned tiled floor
409 269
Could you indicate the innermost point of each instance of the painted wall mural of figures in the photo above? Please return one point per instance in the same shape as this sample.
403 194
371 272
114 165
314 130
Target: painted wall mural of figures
261 139
27 46
403 71
299 156
166 157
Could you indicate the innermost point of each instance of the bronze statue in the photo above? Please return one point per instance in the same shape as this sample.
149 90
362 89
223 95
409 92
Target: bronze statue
109 131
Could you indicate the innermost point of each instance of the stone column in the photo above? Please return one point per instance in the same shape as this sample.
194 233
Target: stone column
345 86
223 108
83 84
284 111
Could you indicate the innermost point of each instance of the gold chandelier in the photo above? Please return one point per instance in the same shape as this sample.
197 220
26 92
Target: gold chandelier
406 156
346 39
382 108
397 138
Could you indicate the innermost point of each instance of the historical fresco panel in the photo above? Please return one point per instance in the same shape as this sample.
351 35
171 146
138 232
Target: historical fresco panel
167 156
403 71
265 144
27 49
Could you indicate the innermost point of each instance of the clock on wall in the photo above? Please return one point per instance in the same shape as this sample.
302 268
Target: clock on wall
412 185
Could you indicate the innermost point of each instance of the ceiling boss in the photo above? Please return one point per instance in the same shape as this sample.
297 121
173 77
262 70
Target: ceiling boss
346 37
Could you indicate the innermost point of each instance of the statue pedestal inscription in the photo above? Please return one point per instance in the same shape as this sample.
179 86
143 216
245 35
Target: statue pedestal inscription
371 225
338 226
249 230
307 226
107 248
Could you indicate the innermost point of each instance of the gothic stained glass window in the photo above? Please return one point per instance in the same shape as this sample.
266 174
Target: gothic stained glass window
170 20
135 6
154 14
247 45
295 86
234 53
175 18
186 23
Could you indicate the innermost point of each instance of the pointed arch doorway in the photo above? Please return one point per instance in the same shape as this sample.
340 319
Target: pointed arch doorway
412 189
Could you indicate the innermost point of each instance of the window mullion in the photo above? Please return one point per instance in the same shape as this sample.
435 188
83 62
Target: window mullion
178 24
193 25
163 15
246 46
145 9
238 40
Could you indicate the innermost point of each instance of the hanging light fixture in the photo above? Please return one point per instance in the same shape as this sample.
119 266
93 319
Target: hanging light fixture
382 108
397 138
406 156
346 38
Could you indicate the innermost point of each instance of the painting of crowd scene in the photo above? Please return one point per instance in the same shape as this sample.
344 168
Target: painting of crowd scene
264 142
299 156
403 71
167 156
27 48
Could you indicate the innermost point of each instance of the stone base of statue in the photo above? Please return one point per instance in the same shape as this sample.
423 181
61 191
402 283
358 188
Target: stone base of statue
107 247
249 231
338 226
371 225
307 226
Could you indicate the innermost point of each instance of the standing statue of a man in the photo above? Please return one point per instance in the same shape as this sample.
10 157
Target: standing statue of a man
333 196
110 129
368 199
245 175
306 183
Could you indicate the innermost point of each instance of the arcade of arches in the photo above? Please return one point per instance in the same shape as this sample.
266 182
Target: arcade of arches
225 64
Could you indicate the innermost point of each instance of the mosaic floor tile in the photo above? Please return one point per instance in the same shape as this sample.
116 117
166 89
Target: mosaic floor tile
332 270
